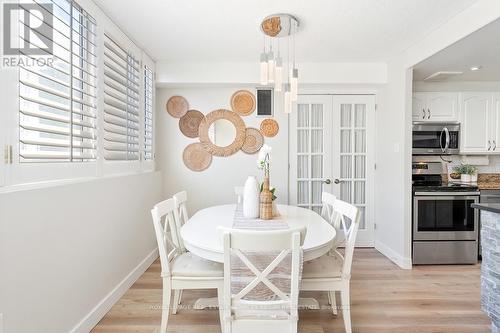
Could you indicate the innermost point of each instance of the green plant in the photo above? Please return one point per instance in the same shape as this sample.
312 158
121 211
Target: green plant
465 169
272 190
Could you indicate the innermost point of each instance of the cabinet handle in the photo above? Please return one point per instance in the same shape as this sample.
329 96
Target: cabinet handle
423 110
489 145
429 116
494 145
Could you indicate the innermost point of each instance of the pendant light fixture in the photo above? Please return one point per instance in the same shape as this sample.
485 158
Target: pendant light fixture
263 66
270 64
278 26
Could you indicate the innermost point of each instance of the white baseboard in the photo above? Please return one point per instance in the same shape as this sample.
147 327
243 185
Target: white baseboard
399 260
100 310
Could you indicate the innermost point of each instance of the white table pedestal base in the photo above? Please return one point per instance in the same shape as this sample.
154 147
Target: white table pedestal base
213 303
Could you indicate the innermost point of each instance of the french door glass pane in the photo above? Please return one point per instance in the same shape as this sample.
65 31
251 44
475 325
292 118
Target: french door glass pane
317 166
316 189
345 115
345 166
303 141
302 115
360 115
345 141
302 166
303 193
317 141
317 115
359 141
359 166
345 191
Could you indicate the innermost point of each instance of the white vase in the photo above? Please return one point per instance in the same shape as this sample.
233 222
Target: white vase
465 178
251 198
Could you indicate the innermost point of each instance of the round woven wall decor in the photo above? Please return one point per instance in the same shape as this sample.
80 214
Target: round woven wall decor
239 125
269 127
253 141
243 102
196 158
190 122
177 106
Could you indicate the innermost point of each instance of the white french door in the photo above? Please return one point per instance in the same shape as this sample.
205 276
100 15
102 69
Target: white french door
331 149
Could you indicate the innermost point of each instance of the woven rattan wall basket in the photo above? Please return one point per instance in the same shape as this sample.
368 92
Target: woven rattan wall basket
196 158
253 141
269 127
243 102
177 106
190 123
238 141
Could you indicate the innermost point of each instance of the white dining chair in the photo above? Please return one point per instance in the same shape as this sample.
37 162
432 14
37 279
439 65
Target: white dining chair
243 315
180 270
238 190
180 199
330 215
332 273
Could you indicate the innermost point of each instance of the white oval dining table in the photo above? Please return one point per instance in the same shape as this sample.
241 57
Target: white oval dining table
201 233
201 236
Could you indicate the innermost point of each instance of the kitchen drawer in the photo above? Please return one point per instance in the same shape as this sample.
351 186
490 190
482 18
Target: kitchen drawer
444 252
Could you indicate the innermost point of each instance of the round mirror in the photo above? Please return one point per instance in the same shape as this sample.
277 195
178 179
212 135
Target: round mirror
222 132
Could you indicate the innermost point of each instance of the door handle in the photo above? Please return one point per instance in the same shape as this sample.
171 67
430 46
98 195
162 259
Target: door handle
327 181
337 181
429 116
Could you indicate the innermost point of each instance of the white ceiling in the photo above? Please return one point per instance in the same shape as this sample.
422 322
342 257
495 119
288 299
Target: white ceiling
479 48
228 30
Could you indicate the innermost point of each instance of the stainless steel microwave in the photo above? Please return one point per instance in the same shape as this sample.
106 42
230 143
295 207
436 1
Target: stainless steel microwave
436 138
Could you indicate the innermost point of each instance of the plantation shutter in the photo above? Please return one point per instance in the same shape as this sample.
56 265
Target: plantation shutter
121 103
57 104
148 113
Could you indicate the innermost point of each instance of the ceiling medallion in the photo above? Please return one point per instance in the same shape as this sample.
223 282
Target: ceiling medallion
272 73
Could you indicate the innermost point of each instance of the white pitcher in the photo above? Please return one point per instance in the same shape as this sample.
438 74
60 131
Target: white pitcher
251 198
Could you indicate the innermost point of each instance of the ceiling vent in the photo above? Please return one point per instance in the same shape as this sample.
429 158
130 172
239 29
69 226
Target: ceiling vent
442 76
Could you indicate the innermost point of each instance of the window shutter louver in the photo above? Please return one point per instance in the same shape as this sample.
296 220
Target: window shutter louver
121 103
58 104
148 113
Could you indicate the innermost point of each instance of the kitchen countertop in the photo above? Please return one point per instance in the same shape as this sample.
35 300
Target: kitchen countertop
491 207
488 181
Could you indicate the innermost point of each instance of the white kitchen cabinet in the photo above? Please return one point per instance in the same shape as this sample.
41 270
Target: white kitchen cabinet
435 106
476 113
495 125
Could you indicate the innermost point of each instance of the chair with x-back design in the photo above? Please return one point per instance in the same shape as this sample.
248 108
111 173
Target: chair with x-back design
276 314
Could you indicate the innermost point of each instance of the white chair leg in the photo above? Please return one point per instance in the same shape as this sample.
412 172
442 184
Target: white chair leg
165 305
333 302
220 297
177 300
346 309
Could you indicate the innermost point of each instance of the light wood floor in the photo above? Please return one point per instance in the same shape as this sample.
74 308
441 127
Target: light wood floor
385 299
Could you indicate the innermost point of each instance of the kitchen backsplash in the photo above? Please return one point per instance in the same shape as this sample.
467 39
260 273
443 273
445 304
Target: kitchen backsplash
485 164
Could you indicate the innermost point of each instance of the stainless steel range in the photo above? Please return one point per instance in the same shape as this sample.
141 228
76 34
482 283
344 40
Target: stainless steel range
445 226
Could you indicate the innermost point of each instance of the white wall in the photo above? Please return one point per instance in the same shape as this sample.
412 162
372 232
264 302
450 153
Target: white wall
64 248
234 73
394 146
216 184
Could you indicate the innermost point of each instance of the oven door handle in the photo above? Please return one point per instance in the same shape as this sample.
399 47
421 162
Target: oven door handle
446 194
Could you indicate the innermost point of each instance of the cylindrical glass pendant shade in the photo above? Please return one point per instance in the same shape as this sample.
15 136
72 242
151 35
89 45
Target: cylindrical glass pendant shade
263 69
278 75
287 107
270 67
294 84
